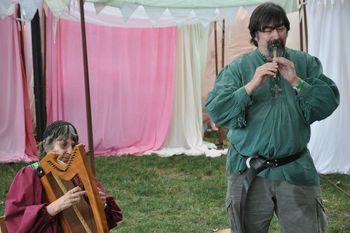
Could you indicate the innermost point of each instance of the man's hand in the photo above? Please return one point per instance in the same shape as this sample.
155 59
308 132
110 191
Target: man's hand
287 70
262 73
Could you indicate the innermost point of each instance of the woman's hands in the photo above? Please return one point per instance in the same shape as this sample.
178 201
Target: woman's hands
103 196
69 199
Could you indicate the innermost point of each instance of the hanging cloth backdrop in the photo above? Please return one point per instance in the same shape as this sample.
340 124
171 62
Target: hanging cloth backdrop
16 130
329 142
131 83
186 131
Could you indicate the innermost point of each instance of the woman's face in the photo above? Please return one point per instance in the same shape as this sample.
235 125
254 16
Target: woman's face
63 149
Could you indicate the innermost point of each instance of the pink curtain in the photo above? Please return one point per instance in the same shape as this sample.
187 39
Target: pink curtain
131 82
17 141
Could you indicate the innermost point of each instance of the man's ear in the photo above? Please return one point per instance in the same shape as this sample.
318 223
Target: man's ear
256 37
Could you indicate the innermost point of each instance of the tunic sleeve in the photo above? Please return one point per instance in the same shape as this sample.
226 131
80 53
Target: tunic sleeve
319 96
226 104
112 210
24 209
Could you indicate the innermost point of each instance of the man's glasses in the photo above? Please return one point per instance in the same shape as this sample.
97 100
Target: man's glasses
269 29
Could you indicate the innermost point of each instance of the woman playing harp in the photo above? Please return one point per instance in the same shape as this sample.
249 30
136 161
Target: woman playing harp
26 207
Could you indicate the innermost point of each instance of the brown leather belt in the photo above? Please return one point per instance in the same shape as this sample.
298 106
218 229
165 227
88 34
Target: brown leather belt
257 164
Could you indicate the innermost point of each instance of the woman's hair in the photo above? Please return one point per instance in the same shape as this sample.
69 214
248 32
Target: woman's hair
266 14
57 131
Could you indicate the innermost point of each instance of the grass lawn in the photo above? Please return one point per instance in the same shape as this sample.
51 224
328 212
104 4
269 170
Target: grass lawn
183 193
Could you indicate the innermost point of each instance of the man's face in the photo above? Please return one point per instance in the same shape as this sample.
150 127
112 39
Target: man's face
63 149
268 36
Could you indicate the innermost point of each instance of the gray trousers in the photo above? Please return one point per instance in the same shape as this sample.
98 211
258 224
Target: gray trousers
299 209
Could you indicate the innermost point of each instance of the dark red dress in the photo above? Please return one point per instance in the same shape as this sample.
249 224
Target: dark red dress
25 206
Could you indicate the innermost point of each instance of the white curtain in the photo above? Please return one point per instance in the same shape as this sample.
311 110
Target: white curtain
186 131
329 36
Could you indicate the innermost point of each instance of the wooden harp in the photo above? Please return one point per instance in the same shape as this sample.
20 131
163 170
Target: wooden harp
88 215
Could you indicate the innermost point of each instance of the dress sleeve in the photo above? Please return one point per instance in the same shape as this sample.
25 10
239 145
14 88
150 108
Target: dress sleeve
226 104
24 209
319 96
112 210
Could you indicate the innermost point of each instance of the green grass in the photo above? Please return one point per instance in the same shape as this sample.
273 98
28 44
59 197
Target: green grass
183 193
176 194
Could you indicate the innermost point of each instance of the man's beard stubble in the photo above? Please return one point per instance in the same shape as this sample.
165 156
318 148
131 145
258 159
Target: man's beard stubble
275 48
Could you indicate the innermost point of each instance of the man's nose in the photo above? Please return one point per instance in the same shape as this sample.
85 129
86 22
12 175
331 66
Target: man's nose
275 34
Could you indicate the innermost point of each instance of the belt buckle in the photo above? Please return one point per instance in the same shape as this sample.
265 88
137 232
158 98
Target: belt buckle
247 162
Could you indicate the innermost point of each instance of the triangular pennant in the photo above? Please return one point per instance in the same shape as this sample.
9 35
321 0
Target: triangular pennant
57 7
127 10
154 13
99 7
6 8
29 8
228 14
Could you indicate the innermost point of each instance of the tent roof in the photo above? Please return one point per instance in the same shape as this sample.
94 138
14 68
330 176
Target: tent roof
184 4
178 12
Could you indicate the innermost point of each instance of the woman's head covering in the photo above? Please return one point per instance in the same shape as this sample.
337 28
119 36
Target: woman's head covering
57 131
56 127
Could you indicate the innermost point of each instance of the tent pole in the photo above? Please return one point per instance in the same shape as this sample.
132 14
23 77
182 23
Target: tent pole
87 88
223 45
215 49
220 134
221 129
303 26
39 81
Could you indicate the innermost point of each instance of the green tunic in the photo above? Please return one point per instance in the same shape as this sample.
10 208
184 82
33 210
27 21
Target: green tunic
269 124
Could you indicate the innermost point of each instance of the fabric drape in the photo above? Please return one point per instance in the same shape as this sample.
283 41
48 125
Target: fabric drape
186 133
131 83
16 127
329 142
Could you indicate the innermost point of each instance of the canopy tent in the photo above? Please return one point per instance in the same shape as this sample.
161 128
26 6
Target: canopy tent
185 33
204 11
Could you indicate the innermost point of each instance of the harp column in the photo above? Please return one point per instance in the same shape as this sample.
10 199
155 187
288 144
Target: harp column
87 89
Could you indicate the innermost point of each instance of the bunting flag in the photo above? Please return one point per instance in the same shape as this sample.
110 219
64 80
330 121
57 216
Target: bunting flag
205 11
29 8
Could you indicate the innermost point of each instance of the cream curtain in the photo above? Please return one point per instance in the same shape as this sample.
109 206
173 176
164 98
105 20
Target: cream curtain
186 131
329 36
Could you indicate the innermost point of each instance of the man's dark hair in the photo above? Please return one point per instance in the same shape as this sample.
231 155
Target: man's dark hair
267 14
